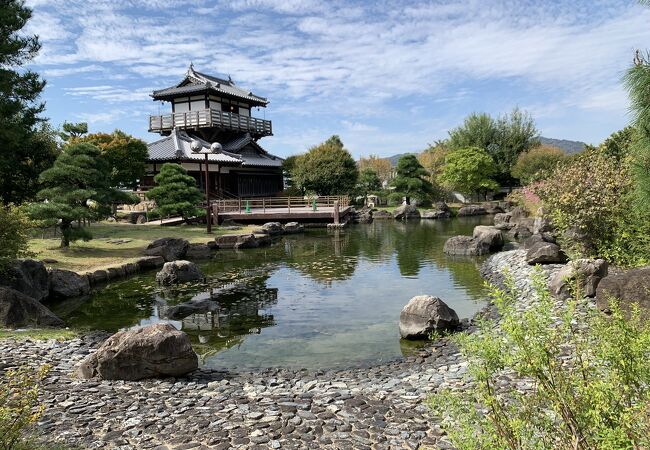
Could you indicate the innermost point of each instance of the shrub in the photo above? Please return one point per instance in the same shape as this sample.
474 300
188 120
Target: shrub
14 234
19 404
588 380
537 163
526 198
176 193
469 170
588 199
395 198
412 179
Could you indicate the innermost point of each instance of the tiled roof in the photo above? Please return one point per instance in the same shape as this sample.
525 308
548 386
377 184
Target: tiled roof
176 147
198 82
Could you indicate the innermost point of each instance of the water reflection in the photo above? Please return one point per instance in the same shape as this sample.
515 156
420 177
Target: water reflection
324 299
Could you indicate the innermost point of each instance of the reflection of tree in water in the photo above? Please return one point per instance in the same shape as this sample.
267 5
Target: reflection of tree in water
330 257
232 310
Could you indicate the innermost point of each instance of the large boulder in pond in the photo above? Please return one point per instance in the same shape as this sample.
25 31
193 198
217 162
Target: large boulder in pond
406 212
67 284
198 251
424 315
581 274
28 276
628 287
169 248
271 229
247 241
465 246
293 228
545 253
158 350
381 214
18 310
181 271
472 210
491 236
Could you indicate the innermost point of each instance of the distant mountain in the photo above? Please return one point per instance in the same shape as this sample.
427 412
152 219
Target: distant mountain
393 159
569 147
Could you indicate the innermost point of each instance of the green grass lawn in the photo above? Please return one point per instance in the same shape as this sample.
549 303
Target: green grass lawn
40 334
105 249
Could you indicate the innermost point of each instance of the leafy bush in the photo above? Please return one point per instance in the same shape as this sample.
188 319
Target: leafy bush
19 404
526 198
14 234
588 380
537 163
589 198
469 170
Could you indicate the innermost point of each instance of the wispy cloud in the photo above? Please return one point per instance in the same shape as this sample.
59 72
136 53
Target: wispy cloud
358 65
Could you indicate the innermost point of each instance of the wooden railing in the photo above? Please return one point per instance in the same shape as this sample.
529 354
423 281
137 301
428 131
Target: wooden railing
208 118
278 204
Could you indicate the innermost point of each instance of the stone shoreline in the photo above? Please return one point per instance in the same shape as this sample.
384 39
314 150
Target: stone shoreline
378 407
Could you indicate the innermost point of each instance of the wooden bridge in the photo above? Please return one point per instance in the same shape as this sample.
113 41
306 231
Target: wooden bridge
282 209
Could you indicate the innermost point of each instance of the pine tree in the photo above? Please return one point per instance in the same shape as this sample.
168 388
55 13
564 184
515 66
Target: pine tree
411 179
24 153
176 193
637 82
76 187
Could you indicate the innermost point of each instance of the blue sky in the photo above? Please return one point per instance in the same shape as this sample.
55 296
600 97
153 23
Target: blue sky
388 77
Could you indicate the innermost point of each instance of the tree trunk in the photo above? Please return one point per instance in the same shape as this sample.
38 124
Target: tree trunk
65 236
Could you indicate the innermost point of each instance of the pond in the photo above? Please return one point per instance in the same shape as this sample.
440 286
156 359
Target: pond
324 299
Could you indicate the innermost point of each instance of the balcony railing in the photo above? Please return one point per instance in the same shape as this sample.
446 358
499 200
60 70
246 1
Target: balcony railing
209 118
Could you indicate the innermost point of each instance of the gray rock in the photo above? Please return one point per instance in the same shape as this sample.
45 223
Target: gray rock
198 251
581 274
150 262
158 350
19 310
27 276
364 215
490 236
545 253
406 212
521 229
494 209
97 277
246 241
471 210
271 228
169 248
66 284
226 241
425 314
628 287
502 221
381 215
293 228
465 246
437 214
178 272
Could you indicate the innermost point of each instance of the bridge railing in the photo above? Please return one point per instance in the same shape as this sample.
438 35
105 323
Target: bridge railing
278 204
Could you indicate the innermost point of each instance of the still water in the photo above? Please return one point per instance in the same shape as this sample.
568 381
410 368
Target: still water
320 300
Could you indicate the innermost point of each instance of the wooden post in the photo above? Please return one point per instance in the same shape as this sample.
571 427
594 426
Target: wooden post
239 205
289 204
215 212
337 217
263 205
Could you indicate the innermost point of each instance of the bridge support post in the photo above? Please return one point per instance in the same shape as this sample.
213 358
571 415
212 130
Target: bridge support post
337 213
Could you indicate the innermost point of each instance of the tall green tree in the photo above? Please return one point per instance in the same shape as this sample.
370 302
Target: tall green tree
176 193
469 171
637 82
125 155
326 169
504 138
76 187
368 181
412 179
73 130
24 154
